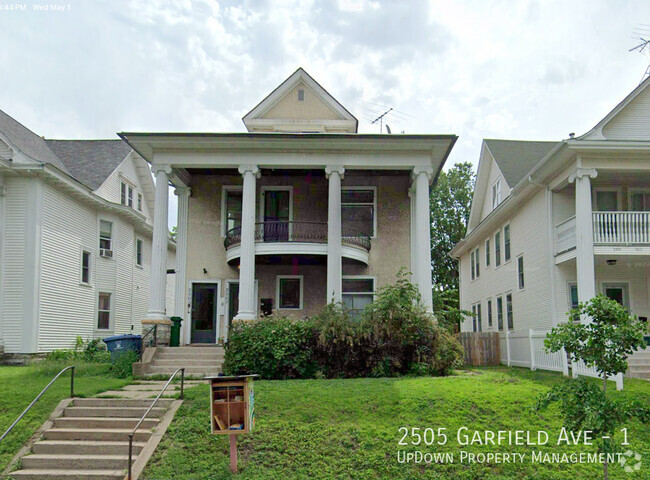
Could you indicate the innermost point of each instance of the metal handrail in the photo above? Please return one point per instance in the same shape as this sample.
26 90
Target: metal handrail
71 367
132 434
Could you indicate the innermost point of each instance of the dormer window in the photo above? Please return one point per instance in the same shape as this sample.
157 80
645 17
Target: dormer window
301 95
126 194
496 194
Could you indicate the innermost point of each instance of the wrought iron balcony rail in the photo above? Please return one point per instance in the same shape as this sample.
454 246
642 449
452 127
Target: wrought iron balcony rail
309 232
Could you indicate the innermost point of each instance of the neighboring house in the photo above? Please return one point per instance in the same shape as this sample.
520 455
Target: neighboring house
298 212
75 239
555 223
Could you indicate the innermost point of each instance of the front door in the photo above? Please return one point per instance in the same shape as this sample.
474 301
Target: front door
233 301
276 215
205 298
617 292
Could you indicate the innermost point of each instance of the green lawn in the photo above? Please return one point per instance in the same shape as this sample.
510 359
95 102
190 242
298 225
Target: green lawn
349 429
20 385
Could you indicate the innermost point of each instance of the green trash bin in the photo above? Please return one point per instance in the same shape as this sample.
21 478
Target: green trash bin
175 334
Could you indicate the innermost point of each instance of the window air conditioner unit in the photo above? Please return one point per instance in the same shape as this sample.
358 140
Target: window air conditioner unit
105 252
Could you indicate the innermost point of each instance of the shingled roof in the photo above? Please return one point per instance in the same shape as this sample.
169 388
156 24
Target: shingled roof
516 158
90 161
28 142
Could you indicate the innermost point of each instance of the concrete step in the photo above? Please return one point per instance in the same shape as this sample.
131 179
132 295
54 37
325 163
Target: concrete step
187 363
114 412
183 358
96 434
74 462
194 371
47 474
98 422
123 402
84 447
638 361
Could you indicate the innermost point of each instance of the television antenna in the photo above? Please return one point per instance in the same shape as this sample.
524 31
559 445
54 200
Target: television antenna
642 34
380 119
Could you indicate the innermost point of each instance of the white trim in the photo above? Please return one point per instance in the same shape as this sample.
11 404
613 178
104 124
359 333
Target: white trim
299 248
496 194
488 314
33 264
374 203
274 188
508 260
512 310
110 220
498 257
224 190
596 190
523 265
277 290
135 256
111 315
488 256
361 277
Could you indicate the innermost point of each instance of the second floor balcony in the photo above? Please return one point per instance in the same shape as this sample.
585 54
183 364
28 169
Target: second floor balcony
298 238
609 228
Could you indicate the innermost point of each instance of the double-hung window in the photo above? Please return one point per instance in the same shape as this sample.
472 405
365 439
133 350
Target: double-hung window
496 194
640 201
85 267
474 318
500 313
105 238
477 262
358 292
126 194
573 296
497 249
520 272
479 320
473 263
358 210
487 252
509 311
489 313
104 311
289 292
232 210
140 202
139 251
506 242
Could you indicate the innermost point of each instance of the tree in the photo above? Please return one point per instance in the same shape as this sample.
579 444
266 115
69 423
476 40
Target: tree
604 343
450 202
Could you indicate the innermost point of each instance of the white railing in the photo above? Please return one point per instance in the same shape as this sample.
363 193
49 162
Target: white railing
622 228
579 368
565 235
540 358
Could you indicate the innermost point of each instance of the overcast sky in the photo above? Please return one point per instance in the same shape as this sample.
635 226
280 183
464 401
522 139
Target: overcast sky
479 69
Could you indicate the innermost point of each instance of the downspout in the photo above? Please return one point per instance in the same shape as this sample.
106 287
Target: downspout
551 243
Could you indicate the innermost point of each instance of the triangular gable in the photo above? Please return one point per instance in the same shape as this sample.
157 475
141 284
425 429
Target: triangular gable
314 110
629 120
487 171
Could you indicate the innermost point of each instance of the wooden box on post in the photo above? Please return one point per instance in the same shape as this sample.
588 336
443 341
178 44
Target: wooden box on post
232 404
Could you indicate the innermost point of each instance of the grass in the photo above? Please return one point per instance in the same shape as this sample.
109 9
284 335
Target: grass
20 385
344 429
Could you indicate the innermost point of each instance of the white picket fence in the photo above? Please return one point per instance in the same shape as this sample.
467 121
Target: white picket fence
526 349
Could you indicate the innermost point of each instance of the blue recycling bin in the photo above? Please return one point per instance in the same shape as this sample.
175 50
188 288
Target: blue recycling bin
119 344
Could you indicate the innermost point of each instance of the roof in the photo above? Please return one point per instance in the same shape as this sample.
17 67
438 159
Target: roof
90 161
516 158
28 142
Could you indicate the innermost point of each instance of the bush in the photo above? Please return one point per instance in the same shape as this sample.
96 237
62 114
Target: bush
395 336
123 366
275 347
92 351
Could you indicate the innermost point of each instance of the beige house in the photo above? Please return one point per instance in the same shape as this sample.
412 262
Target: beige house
555 223
299 211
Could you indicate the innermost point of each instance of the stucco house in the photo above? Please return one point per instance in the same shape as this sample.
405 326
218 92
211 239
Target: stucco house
299 211
555 223
75 240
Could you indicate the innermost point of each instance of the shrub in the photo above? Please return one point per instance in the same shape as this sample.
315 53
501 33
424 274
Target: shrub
123 365
92 351
275 347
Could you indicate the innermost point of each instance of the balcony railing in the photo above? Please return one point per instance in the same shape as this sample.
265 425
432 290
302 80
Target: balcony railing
622 228
309 232
610 228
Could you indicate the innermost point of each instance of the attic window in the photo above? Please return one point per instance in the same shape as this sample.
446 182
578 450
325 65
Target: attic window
301 95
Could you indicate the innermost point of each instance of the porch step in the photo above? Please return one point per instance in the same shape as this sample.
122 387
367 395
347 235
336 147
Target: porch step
99 422
95 434
75 462
113 412
124 402
189 371
182 362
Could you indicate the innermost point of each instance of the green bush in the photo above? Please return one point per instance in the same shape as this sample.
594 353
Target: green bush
123 365
275 347
395 336
92 351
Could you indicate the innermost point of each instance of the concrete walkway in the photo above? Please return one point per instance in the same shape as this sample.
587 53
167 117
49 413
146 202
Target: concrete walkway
145 389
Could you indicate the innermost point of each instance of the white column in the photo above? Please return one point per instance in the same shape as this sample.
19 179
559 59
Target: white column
334 259
247 298
586 275
180 302
157 295
422 177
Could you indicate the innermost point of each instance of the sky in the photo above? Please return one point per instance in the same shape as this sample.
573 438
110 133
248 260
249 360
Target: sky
530 70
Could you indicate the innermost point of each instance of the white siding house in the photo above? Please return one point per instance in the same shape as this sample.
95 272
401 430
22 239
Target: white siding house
68 241
577 214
